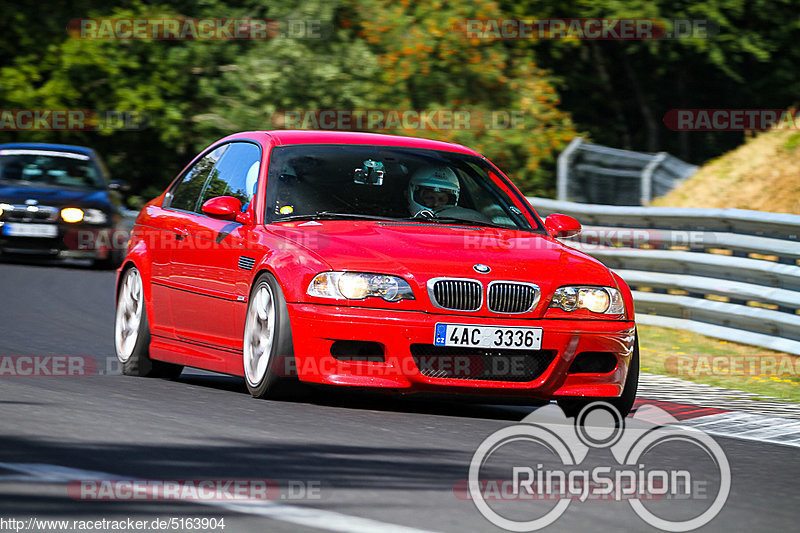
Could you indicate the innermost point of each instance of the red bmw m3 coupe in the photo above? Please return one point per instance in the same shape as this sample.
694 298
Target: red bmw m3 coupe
370 261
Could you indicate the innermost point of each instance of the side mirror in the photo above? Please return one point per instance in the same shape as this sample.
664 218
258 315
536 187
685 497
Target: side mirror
223 207
558 225
119 185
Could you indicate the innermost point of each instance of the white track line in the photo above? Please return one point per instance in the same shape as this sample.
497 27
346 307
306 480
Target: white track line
748 426
294 514
672 389
317 518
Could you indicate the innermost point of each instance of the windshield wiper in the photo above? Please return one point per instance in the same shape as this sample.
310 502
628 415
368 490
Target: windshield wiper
332 215
458 221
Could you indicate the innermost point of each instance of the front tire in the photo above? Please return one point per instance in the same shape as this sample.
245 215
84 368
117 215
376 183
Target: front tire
623 403
112 261
132 334
267 343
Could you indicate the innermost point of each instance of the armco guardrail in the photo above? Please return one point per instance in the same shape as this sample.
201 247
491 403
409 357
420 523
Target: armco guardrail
593 173
727 273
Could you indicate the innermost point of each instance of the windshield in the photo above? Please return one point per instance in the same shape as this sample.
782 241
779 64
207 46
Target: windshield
49 168
324 181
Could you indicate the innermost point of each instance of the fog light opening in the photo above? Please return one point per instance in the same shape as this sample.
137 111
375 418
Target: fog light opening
358 351
593 363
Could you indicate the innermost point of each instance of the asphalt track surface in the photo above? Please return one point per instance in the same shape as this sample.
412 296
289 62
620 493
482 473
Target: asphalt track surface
371 463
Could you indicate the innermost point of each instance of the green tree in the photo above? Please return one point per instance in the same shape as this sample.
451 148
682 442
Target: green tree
620 90
429 62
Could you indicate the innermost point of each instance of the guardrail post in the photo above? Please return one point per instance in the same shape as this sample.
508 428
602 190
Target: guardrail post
647 178
564 159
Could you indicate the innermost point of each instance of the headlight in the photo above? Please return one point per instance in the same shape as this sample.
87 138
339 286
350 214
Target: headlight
72 214
359 285
605 300
90 216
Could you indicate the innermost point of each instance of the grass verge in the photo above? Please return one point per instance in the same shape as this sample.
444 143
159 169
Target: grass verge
694 357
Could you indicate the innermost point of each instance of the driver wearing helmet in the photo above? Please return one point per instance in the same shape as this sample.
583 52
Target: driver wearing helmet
431 188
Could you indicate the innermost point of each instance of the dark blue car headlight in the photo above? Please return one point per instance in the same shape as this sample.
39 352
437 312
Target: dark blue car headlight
89 216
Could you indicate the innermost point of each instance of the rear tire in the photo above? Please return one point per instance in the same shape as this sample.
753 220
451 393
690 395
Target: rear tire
132 333
268 351
623 403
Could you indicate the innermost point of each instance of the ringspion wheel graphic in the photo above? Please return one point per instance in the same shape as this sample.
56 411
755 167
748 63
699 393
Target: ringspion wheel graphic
598 425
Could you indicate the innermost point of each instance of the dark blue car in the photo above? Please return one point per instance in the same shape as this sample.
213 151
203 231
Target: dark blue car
58 201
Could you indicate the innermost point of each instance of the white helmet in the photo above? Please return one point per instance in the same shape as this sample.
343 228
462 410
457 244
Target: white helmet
429 183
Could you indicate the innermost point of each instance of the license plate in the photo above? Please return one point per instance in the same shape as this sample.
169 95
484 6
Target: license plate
14 229
488 337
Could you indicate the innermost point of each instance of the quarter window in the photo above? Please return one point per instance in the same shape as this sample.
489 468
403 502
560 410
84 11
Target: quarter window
186 194
235 174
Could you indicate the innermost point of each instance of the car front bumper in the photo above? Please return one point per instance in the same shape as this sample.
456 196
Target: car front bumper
70 242
315 329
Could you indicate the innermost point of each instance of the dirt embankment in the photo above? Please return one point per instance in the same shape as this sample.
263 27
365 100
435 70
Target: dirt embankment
762 174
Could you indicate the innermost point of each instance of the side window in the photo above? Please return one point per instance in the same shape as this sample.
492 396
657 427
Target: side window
236 174
185 195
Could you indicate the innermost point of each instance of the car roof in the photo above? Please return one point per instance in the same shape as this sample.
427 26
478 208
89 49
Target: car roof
46 146
289 137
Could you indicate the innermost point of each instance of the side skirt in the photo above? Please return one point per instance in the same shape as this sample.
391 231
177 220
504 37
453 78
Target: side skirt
197 355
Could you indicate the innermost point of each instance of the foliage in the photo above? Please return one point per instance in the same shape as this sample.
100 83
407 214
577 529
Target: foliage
403 55
430 63
620 90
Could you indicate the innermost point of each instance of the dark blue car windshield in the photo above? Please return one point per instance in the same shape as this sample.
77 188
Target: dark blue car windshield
49 168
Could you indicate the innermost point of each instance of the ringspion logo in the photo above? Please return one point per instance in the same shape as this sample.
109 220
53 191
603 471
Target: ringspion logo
653 463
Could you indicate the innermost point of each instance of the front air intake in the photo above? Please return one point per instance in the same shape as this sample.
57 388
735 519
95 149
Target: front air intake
453 362
458 294
512 297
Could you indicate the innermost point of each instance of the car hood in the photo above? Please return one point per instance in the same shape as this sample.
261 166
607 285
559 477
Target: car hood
57 197
419 251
